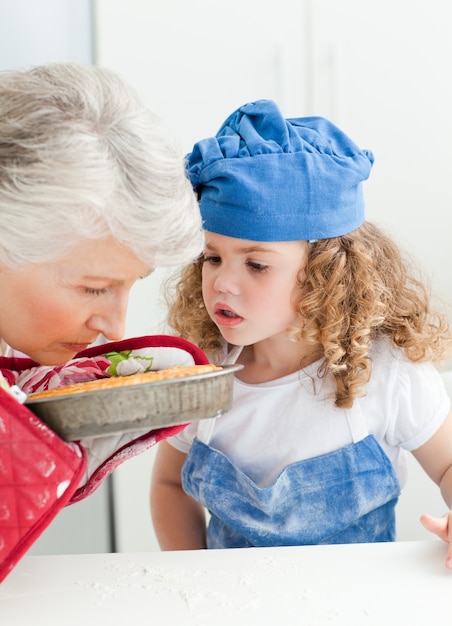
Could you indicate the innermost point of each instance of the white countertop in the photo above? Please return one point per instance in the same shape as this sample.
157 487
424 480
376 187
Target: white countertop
355 585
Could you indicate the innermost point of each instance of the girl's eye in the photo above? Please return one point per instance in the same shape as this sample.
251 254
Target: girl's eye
95 292
257 267
211 258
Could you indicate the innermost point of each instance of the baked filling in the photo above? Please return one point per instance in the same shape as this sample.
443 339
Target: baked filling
178 371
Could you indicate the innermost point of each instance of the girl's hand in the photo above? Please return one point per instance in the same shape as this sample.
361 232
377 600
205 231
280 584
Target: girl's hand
441 526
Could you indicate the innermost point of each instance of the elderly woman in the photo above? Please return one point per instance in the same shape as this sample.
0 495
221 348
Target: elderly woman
93 197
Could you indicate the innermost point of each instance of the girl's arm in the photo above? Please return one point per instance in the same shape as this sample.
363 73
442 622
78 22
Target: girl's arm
435 456
179 521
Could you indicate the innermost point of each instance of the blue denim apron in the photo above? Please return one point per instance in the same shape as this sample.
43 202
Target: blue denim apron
345 496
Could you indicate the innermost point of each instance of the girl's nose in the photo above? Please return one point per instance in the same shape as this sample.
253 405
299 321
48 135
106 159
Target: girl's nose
226 282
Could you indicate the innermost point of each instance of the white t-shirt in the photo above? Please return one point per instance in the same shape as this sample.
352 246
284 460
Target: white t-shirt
276 423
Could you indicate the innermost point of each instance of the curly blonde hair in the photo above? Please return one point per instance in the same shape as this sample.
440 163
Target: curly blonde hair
356 288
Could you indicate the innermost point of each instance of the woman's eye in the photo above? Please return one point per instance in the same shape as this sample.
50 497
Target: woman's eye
95 292
257 267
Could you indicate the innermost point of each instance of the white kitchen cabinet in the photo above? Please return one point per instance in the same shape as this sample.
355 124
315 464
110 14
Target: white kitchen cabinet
197 61
381 71
81 528
46 31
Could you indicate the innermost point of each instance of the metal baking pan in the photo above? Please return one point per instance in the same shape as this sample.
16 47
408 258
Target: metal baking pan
151 405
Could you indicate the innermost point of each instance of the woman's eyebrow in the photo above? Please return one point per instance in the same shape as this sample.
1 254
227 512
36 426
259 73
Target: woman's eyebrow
113 279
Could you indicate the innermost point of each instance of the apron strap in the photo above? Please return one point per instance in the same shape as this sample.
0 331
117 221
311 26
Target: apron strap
356 422
205 427
232 356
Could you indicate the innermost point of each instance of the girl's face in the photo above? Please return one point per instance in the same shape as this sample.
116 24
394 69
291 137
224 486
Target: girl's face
51 311
250 288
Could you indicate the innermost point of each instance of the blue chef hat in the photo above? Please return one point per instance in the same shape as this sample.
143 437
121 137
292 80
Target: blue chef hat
266 178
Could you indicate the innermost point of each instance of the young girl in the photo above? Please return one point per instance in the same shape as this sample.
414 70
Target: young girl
336 337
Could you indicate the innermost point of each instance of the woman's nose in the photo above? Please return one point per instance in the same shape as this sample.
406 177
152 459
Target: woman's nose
111 323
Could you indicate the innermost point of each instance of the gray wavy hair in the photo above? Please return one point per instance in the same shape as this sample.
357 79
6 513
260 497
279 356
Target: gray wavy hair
82 156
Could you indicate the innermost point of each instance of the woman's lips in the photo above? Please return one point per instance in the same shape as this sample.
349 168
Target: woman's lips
225 316
75 347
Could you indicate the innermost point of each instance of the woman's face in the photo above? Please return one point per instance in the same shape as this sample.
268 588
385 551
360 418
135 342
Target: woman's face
51 311
250 288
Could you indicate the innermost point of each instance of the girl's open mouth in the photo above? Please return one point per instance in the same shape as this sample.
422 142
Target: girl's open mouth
225 316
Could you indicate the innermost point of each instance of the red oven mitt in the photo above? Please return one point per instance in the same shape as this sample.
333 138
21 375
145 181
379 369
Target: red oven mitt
39 472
